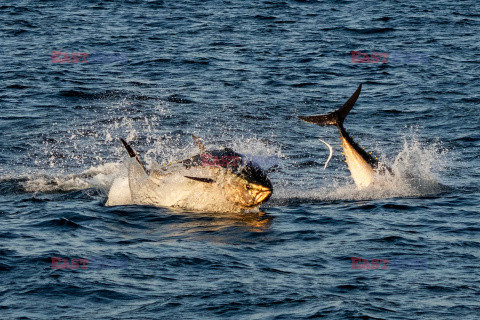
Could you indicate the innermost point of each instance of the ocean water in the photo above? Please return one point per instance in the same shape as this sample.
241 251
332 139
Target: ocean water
237 74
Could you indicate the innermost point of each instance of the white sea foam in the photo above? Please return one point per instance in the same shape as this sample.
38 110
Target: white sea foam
415 171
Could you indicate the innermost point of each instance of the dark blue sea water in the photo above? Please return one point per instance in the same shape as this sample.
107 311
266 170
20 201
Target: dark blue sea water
237 74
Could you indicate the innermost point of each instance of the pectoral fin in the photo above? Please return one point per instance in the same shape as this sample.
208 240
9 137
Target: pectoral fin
206 180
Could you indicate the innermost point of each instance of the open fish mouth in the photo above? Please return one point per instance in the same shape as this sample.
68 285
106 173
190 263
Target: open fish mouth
258 185
262 193
263 196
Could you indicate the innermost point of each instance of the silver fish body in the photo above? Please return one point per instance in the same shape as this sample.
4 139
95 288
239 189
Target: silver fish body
227 183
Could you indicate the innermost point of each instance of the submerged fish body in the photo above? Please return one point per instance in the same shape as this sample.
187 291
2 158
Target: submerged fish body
361 164
217 180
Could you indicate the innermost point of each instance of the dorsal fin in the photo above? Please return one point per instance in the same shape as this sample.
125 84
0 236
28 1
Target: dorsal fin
133 154
199 143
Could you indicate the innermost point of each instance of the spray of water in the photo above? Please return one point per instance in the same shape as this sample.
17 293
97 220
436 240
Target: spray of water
415 169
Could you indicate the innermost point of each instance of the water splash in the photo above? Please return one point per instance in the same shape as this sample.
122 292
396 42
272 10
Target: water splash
112 177
414 172
416 168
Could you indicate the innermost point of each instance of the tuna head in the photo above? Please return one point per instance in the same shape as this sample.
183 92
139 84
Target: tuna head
245 183
249 187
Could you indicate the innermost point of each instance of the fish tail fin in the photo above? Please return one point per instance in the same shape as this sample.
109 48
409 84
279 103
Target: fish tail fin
336 117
